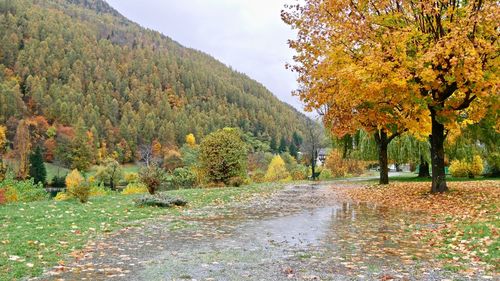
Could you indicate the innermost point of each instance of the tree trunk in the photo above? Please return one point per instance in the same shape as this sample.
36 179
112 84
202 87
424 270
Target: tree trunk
437 155
313 165
382 143
423 168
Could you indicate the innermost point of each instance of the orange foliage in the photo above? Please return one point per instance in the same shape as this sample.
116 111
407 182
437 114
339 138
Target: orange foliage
172 159
66 131
341 167
156 148
2 196
40 122
415 197
376 70
50 148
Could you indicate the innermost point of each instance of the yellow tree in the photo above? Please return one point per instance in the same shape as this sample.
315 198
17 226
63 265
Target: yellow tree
3 139
156 148
3 143
277 170
191 140
354 86
22 145
386 63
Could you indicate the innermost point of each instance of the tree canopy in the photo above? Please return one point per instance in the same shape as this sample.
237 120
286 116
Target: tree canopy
428 67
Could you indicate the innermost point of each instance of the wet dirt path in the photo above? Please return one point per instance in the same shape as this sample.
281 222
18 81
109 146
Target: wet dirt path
304 232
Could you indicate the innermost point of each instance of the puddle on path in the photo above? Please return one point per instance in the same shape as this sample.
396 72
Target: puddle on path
300 234
299 229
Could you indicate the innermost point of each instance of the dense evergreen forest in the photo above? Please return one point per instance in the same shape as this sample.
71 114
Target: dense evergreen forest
78 68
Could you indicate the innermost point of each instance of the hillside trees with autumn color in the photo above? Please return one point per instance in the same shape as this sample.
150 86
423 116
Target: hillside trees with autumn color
82 64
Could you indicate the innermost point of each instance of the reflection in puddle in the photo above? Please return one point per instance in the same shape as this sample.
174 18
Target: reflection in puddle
313 226
304 228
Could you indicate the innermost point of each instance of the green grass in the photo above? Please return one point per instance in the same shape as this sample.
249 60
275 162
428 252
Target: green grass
54 170
126 168
475 233
35 236
414 178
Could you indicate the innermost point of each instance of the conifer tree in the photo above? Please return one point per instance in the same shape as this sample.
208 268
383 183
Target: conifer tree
293 150
37 167
273 145
283 146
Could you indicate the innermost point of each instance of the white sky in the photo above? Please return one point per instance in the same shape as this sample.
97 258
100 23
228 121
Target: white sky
247 35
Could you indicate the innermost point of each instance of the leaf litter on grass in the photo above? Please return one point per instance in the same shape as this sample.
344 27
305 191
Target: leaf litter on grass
462 224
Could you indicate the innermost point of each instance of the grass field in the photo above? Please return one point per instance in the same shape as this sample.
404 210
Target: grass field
54 170
413 178
38 235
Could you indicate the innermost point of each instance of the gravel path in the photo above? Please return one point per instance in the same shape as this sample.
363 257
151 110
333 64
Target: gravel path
303 232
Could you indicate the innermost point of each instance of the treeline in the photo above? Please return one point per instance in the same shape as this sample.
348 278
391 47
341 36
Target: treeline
78 69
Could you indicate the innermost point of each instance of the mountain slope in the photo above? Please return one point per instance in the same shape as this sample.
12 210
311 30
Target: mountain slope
81 62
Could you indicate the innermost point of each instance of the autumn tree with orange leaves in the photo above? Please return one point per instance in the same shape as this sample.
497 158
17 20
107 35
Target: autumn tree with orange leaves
427 67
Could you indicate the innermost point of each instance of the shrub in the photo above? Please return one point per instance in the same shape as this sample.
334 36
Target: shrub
235 181
493 160
99 190
340 167
172 159
326 174
201 178
63 196
92 180
3 170
74 179
355 167
290 161
3 200
476 167
258 176
215 185
463 168
299 172
259 160
459 168
28 191
152 176
135 188
109 173
81 192
335 163
189 156
58 181
277 170
159 200
223 155
22 191
183 178
131 177
11 195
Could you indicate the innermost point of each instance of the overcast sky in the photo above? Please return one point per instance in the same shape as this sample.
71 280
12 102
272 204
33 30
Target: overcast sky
247 35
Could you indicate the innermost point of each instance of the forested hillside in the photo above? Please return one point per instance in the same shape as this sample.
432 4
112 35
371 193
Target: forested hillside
82 67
